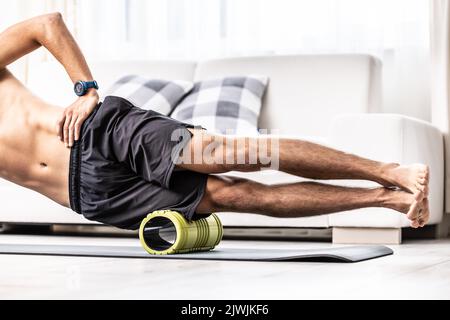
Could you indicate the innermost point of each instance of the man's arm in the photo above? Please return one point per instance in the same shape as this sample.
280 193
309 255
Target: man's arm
51 32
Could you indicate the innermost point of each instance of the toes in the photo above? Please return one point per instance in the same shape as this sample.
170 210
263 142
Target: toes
423 172
421 221
425 175
426 213
427 172
419 214
423 167
412 213
422 186
415 224
419 196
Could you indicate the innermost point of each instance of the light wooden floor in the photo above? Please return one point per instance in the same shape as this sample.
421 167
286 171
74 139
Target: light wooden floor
417 270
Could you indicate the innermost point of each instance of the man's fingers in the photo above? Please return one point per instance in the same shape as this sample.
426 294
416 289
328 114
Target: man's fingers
78 125
66 129
72 129
60 126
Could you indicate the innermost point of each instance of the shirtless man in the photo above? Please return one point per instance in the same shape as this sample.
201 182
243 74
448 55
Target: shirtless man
111 161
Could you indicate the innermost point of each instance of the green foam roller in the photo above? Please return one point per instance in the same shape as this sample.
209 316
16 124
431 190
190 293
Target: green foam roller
168 232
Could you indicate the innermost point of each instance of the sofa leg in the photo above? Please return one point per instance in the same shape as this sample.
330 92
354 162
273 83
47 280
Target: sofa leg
342 235
443 228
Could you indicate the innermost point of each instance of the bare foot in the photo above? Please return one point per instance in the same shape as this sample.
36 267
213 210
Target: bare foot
424 216
413 178
405 202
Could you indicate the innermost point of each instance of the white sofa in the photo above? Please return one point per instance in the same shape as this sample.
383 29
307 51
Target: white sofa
330 99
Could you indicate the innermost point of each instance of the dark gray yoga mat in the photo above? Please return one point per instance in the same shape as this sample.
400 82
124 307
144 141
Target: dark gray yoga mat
331 254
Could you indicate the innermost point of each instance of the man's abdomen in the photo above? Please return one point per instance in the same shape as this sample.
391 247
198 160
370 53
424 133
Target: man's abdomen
51 168
32 155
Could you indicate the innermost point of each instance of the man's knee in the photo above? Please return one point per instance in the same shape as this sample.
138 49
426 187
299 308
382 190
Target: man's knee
247 153
234 154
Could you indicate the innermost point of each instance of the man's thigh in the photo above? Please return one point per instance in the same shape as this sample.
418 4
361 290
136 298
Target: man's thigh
213 153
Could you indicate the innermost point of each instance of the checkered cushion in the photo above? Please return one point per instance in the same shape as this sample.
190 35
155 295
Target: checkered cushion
229 105
155 94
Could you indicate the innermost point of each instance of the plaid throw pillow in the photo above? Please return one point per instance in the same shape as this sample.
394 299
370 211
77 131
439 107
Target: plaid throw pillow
229 105
155 94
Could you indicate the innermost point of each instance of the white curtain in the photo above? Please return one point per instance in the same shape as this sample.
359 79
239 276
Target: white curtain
210 28
440 53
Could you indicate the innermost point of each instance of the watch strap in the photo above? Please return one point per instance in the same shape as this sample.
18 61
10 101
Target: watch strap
91 84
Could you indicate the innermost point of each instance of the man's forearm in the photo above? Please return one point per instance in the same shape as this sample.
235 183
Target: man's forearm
58 40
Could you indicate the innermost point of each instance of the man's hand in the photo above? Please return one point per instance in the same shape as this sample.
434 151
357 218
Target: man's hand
71 120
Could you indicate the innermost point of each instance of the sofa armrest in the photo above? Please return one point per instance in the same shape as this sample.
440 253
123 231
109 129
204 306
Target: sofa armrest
392 138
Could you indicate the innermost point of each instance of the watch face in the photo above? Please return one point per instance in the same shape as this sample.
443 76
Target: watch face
79 88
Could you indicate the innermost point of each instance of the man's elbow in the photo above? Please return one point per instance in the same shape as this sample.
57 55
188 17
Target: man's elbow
53 18
50 23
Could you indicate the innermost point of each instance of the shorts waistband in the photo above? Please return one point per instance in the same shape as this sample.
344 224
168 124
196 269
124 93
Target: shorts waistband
74 177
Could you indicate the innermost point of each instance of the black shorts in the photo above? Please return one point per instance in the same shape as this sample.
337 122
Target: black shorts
123 166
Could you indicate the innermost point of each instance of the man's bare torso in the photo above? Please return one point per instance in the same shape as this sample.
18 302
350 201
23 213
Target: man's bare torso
31 155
